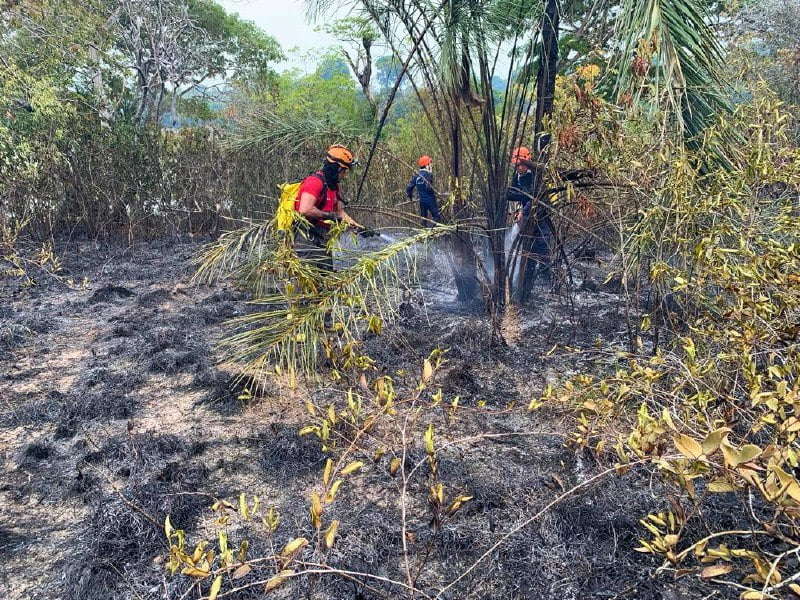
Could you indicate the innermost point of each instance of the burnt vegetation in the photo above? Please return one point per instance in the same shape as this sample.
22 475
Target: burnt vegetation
594 396
126 443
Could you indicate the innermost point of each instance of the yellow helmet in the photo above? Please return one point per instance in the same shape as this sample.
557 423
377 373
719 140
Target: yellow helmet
340 155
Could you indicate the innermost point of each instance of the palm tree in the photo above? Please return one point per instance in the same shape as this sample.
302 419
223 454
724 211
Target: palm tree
453 64
451 49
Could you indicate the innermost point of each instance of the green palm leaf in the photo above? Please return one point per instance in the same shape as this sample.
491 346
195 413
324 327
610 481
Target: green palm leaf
687 60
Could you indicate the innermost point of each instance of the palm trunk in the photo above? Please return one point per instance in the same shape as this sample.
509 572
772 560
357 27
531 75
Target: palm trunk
545 90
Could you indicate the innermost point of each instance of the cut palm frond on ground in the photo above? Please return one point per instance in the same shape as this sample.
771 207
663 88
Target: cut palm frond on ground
295 300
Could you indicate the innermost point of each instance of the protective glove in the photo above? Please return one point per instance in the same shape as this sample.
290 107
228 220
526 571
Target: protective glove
332 216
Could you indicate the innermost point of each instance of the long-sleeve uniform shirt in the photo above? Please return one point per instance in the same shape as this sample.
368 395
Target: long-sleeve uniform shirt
423 182
520 190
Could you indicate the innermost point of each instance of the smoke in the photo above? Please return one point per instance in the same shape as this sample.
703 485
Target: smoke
486 255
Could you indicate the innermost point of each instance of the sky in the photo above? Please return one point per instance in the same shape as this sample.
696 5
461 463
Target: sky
285 21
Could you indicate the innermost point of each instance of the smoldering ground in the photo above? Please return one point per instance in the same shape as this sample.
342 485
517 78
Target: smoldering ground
115 413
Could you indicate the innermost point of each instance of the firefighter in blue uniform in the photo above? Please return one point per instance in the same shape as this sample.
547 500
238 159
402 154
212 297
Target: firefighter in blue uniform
423 182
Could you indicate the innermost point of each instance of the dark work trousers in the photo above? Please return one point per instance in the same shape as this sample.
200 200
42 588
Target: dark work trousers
536 245
428 210
540 248
311 246
541 233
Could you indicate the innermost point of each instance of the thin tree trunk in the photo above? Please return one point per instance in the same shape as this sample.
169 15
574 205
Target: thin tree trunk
174 106
144 91
545 90
465 272
159 101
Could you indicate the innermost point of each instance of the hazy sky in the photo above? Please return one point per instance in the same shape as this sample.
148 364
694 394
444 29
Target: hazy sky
285 21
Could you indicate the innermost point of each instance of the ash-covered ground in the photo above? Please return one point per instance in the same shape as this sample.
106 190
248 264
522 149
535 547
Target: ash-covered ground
114 413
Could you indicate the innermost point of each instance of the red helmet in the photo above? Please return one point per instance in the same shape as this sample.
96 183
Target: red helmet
424 160
521 153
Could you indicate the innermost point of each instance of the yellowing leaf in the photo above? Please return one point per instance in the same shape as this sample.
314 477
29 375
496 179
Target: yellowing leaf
292 548
687 446
310 408
330 534
713 440
316 510
223 542
455 505
716 571
737 456
167 527
429 447
375 324
197 555
332 494
352 467
721 485
765 570
437 493
791 425
278 579
242 553
394 466
195 572
667 418
427 371
215 587
243 507
328 469
750 452
789 484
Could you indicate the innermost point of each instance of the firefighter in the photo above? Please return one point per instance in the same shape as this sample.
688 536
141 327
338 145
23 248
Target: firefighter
538 232
520 191
423 182
320 201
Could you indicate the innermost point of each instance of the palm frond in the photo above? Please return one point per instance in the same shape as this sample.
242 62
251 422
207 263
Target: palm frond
677 42
263 126
293 297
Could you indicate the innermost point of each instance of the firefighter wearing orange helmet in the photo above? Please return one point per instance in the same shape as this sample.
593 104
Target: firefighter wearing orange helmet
320 201
423 183
521 188
521 192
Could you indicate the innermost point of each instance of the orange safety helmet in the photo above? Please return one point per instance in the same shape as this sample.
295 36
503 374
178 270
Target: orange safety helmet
521 153
424 160
340 155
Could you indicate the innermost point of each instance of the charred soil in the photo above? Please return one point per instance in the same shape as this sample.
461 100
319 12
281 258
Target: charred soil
116 413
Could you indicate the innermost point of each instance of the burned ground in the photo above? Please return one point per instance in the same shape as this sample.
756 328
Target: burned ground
115 413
